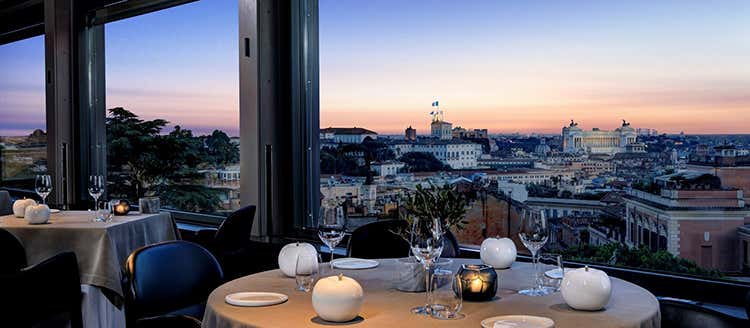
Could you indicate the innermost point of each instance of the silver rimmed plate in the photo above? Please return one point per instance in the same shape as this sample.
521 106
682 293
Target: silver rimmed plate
255 298
518 321
351 263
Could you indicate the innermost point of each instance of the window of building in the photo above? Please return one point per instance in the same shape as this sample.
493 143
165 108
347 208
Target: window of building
171 80
655 113
23 136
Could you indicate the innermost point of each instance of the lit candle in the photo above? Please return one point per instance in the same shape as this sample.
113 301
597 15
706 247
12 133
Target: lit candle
476 285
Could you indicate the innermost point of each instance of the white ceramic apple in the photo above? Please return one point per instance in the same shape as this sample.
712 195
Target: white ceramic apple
337 298
19 207
37 214
586 289
288 256
499 253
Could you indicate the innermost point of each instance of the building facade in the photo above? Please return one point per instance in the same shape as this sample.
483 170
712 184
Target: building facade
456 153
441 130
576 140
353 135
410 134
699 225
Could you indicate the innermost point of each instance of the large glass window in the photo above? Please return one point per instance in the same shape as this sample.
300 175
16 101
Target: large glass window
173 108
622 122
23 136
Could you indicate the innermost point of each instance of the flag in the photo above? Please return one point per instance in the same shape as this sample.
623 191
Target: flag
432 113
435 103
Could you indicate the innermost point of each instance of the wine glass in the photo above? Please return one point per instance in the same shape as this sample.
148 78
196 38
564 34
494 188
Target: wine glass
426 245
332 225
43 186
96 187
534 233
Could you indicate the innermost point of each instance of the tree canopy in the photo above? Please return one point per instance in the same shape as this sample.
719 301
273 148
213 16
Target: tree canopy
422 162
141 160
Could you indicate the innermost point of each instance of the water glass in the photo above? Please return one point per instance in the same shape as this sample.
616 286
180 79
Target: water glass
551 279
306 271
446 300
103 211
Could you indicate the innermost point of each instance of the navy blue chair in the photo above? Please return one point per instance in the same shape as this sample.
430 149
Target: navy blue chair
378 240
6 207
47 294
230 243
172 278
681 313
12 253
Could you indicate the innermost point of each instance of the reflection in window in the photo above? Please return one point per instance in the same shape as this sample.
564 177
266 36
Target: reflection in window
23 136
652 172
173 108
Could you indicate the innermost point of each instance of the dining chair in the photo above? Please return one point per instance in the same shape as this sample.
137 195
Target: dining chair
169 321
47 294
230 243
378 240
167 279
6 206
682 313
12 253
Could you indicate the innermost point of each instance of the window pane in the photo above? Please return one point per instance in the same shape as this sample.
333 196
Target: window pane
173 118
653 170
23 136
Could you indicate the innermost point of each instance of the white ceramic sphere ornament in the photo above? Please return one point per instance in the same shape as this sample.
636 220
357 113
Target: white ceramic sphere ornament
37 214
288 256
499 253
19 207
337 298
586 289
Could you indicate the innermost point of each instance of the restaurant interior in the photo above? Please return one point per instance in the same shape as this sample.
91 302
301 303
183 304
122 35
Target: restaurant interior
284 253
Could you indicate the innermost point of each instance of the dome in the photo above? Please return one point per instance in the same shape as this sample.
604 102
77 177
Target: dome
542 148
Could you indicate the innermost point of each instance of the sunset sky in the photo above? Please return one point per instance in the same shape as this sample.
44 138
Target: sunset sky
509 66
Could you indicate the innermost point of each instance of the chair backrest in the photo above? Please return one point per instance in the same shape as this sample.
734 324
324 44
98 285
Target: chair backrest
6 207
234 231
377 240
167 277
12 253
688 314
45 294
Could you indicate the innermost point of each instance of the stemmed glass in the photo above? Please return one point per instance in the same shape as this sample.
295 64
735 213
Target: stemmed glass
332 225
534 233
96 188
426 245
43 186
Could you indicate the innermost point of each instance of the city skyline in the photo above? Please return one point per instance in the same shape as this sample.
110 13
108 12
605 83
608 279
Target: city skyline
507 67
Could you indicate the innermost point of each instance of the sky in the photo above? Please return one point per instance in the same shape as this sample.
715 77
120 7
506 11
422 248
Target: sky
508 66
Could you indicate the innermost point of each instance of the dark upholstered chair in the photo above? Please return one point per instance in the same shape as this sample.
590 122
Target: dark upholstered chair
6 207
47 294
231 242
12 253
169 321
689 314
169 278
377 240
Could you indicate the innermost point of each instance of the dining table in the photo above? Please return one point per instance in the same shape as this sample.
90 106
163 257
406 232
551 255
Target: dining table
386 306
101 248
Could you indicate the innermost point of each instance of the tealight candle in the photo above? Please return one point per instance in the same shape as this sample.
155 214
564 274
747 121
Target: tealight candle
478 282
121 208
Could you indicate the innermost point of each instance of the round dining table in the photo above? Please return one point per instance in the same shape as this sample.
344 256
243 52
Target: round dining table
385 306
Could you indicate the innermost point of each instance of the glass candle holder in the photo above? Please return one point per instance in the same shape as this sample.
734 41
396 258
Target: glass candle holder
478 282
121 207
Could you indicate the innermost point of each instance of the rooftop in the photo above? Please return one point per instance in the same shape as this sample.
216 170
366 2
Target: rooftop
354 130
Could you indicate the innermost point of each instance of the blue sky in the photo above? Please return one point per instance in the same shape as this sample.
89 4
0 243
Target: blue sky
510 66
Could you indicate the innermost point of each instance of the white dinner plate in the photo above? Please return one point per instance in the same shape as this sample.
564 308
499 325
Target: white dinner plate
556 273
518 321
255 298
54 210
351 263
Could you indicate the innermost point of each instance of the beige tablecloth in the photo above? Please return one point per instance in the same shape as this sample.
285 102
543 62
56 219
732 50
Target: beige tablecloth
101 248
630 305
